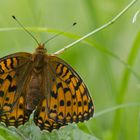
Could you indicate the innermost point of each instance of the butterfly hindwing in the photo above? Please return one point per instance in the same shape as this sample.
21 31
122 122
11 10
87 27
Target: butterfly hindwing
42 119
13 69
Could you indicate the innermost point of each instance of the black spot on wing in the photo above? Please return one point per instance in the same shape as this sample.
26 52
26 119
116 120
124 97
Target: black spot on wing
54 95
66 90
43 109
57 66
65 73
90 104
1 93
5 63
12 64
12 88
53 111
62 103
1 70
79 103
61 114
61 70
69 79
9 105
9 78
85 102
68 103
21 106
7 98
55 106
59 85
77 85
1 81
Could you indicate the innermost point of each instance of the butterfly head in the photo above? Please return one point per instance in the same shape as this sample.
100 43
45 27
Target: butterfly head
41 49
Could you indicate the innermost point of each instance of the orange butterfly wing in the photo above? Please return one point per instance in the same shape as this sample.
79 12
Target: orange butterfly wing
67 100
13 72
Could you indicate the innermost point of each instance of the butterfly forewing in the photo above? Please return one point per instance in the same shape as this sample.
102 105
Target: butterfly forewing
11 62
14 71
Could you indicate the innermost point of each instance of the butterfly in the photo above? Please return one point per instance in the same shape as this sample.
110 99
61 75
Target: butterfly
44 85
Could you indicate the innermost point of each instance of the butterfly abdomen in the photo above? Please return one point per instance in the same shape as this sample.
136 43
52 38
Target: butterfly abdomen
34 91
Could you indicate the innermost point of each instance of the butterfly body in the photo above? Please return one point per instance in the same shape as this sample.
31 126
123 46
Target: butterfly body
37 62
46 84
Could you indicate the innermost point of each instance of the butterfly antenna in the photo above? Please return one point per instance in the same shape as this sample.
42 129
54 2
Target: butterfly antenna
59 33
25 29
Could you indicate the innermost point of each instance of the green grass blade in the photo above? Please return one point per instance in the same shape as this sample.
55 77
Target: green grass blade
124 83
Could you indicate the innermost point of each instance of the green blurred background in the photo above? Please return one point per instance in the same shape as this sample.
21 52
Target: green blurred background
108 62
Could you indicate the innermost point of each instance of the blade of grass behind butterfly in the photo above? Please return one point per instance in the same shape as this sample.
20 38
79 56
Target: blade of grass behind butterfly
35 29
124 83
91 8
86 125
94 16
139 127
